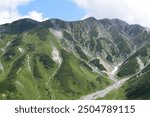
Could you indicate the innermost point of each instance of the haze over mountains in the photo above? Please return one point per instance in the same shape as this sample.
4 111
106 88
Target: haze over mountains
56 59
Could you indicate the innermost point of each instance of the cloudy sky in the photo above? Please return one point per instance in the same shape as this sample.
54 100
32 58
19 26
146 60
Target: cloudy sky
131 11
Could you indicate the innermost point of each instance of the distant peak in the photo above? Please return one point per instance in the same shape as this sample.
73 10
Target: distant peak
91 18
118 21
25 20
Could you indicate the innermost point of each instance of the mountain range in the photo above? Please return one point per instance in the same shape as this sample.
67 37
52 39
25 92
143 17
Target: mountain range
58 59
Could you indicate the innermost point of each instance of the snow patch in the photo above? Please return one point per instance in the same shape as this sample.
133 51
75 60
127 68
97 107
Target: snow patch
111 71
2 49
56 33
19 70
1 67
56 56
94 69
115 69
28 63
108 67
21 50
8 43
141 64
112 74
86 51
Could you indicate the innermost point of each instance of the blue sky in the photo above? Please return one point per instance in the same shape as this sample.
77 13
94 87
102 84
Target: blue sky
131 11
62 9
12 10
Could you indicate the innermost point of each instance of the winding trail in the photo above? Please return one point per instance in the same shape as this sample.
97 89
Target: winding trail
47 83
117 84
57 59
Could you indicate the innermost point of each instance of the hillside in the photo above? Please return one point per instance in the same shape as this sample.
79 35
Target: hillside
58 59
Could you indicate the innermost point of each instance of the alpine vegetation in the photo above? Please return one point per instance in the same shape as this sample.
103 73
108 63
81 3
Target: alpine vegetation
87 59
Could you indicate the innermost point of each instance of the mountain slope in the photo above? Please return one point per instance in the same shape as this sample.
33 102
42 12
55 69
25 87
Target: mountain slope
56 59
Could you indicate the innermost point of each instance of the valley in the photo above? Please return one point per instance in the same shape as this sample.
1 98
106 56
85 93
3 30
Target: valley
104 92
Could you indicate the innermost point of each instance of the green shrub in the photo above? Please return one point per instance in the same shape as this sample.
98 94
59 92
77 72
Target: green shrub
96 62
46 60
15 67
81 53
129 68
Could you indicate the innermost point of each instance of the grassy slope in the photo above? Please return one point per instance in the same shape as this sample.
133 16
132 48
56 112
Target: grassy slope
131 65
135 88
74 80
129 68
26 74
138 86
18 73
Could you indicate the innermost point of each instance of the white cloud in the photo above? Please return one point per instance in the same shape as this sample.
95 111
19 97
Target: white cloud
132 11
9 11
35 15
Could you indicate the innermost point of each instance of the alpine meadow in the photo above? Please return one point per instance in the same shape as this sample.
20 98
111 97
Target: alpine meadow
86 59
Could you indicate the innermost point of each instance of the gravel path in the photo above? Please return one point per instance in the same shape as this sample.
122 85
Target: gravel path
105 91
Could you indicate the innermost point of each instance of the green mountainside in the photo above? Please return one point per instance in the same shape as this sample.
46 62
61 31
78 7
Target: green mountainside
56 59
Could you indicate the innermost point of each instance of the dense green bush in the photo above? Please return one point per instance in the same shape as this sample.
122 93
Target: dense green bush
99 45
9 54
15 67
81 53
30 47
85 65
15 42
129 68
109 58
42 34
7 85
46 60
36 72
96 62
139 87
